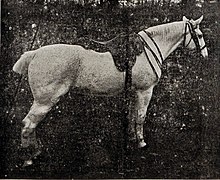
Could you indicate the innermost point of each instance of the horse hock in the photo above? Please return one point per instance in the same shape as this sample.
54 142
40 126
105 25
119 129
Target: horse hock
31 146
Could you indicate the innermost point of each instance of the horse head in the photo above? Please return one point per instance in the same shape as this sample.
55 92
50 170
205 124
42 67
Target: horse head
193 36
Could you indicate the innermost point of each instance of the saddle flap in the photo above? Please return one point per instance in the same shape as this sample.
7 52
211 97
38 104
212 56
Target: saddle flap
123 48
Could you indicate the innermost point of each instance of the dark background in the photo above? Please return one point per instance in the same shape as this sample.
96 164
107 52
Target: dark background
81 136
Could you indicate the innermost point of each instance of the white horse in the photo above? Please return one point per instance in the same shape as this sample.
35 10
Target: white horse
52 70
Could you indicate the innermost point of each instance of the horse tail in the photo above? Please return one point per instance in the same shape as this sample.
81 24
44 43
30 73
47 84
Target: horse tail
21 66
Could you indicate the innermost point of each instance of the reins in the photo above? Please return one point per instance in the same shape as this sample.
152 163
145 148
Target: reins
159 63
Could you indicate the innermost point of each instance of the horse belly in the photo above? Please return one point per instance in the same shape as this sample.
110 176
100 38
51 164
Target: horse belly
98 74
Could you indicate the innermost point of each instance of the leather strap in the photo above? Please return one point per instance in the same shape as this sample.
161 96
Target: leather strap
157 64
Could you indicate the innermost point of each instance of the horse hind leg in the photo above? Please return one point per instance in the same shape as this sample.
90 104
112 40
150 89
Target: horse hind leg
35 115
28 134
42 104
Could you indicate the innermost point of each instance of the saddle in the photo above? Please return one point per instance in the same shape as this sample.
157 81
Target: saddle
124 48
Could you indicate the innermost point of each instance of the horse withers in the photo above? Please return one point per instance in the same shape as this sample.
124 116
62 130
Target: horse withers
52 70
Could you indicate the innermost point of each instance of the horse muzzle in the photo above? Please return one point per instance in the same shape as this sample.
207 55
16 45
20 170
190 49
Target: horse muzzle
204 52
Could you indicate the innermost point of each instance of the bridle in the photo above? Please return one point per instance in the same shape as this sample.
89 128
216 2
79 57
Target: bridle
193 37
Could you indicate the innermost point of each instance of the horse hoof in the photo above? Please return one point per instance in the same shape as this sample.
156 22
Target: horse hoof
27 163
141 144
36 154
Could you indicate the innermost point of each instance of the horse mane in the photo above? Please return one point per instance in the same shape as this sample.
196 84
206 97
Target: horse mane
166 31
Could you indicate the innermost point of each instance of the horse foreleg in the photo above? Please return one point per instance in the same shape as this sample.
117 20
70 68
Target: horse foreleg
143 100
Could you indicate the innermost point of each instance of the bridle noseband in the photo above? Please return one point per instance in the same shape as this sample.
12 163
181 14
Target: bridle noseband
193 37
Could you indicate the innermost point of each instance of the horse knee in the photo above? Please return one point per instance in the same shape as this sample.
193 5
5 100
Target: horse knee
26 132
140 119
26 121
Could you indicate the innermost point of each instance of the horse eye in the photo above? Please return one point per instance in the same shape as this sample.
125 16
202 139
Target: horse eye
200 36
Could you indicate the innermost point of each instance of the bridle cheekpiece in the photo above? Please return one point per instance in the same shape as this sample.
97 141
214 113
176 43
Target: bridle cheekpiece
194 36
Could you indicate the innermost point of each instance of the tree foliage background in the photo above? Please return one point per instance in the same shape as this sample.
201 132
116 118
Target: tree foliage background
182 124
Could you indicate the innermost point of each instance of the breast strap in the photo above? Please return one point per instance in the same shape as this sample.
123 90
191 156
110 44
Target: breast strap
157 64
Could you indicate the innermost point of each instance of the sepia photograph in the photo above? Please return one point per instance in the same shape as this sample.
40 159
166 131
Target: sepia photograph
110 89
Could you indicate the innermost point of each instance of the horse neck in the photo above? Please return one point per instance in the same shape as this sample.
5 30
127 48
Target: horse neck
168 36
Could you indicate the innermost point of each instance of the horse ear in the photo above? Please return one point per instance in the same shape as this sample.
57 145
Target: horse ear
198 21
185 19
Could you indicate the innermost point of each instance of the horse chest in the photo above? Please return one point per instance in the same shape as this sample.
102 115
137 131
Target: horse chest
143 74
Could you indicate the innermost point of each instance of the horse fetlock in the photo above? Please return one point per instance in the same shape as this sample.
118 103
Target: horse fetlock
25 142
28 137
25 153
139 128
29 153
29 142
